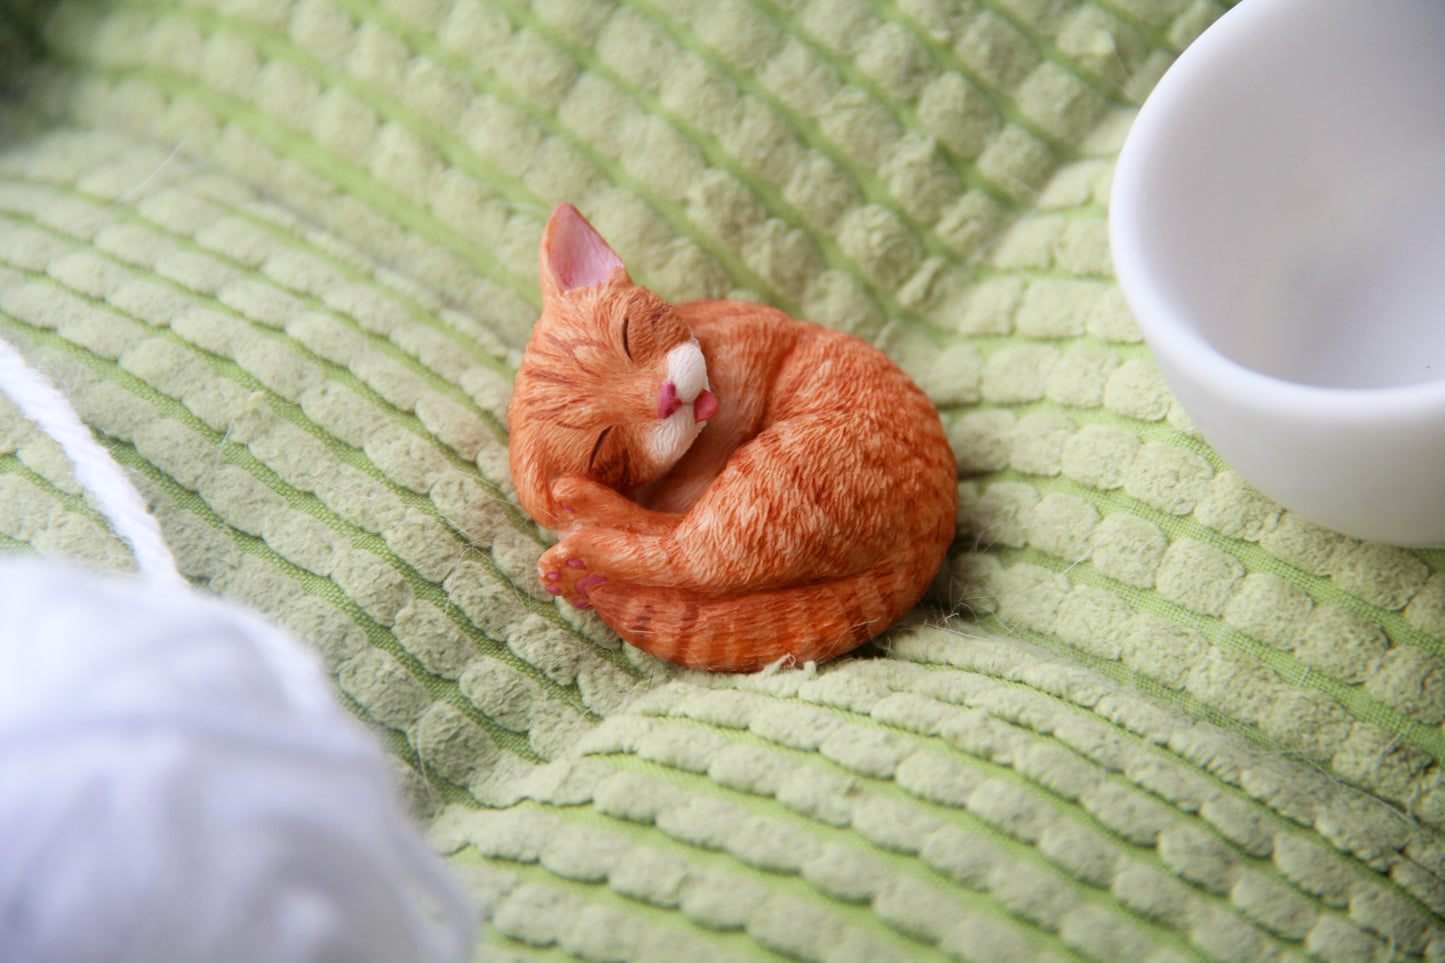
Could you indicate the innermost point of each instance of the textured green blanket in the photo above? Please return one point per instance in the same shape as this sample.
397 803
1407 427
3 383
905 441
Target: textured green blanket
280 254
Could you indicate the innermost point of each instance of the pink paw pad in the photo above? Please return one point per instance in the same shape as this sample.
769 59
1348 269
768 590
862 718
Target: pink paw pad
585 584
567 577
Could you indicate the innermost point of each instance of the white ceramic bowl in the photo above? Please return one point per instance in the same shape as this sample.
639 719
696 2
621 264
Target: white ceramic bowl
1278 228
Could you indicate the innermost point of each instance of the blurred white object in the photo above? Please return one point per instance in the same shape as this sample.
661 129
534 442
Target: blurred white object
177 784
1278 228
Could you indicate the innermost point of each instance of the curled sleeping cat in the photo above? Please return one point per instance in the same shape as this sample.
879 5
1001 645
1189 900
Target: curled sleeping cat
732 486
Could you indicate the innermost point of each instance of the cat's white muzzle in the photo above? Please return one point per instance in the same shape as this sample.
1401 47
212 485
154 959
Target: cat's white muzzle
687 371
677 424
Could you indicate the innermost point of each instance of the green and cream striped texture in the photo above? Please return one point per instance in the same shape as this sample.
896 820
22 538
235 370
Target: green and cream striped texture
280 255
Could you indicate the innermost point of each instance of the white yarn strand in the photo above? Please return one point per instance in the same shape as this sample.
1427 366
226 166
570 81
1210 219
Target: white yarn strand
94 469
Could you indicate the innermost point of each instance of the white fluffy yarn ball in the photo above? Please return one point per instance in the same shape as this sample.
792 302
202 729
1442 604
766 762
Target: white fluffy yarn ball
177 784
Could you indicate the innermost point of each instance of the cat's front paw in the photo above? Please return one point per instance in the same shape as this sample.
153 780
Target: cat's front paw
565 573
588 504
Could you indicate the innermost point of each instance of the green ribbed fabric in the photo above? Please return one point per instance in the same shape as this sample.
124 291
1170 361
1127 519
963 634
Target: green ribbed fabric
281 256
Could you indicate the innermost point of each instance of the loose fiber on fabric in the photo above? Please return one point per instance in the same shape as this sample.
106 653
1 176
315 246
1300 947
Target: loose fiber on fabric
281 257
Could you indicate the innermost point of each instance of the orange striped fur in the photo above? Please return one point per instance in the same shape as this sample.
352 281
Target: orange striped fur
732 486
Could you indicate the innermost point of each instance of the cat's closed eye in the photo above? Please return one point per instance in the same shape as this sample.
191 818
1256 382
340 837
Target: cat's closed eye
626 348
592 462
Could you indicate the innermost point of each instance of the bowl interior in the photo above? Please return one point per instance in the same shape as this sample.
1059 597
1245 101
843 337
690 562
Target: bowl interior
1285 195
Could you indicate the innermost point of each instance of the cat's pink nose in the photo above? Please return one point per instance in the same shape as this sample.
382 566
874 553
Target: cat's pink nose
668 401
704 406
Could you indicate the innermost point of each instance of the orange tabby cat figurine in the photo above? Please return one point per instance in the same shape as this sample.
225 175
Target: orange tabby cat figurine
733 487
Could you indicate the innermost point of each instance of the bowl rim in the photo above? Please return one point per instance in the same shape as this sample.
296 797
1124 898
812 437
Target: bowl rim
1178 344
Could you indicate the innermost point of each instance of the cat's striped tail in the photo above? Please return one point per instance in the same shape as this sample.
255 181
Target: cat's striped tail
812 622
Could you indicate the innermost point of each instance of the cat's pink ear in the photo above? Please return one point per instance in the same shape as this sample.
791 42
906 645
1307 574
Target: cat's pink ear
573 254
